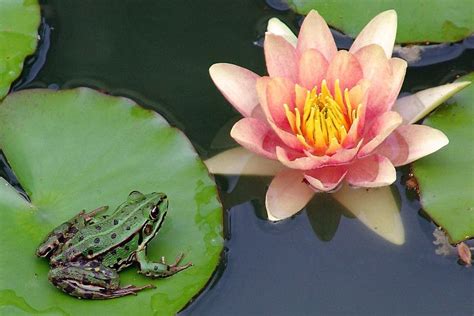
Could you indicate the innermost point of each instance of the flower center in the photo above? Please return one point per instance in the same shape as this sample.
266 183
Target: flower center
326 119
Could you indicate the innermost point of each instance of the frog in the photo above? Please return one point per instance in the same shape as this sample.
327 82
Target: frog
87 252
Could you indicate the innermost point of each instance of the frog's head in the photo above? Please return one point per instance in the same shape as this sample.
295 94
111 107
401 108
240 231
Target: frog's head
158 206
153 207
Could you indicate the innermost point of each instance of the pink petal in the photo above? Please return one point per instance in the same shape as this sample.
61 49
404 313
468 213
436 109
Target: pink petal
287 137
411 142
277 27
306 161
300 97
237 84
261 87
399 68
315 34
344 67
256 136
381 30
287 194
372 171
312 69
280 57
382 126
377 70
327 178
280 91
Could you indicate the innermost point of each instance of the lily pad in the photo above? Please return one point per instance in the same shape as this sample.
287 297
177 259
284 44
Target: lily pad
418 21
79 149
19 21
445 177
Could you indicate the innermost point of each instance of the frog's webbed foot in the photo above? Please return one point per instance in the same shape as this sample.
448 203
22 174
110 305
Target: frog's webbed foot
159 269
91 280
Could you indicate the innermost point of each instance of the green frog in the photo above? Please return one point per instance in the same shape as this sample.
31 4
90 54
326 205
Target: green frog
87 252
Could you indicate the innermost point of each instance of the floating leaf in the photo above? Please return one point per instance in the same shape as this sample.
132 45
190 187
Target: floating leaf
445 177
19 21
79 149
418 21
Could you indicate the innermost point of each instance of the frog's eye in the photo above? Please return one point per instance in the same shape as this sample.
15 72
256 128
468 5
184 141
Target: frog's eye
155 212
136 196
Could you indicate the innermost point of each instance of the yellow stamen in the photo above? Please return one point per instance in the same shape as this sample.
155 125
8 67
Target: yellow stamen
348 104
298 122
324 121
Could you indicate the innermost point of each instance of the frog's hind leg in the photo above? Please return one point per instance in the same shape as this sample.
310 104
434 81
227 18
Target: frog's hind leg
66 231
90 280
159 269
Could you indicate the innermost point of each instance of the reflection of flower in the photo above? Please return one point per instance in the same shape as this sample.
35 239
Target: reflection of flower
325 114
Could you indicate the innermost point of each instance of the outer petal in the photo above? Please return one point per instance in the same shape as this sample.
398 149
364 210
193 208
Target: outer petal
315 34
312 69
256 136
240 161
277 27
237 84
345 67
372 171
411 142
280 57
399 68
381 128
310 162
325 179
414 107
381 30
377 70
287 194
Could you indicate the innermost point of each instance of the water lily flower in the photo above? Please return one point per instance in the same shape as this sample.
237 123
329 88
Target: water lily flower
328 116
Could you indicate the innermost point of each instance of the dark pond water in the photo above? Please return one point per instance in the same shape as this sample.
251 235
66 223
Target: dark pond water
321 262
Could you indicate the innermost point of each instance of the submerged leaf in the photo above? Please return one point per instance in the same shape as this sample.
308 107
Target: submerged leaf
79 149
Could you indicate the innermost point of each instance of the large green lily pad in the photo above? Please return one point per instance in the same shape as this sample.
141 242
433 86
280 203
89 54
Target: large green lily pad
19 21
445 178
79 149
418 21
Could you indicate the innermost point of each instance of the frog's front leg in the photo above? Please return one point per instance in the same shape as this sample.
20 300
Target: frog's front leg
159 269
90 280
66 231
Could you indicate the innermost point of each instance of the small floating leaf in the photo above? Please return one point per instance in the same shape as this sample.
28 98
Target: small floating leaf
445 177
418 21
19 21
79 149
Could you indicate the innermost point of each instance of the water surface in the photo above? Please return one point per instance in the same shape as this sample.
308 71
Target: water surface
319 262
